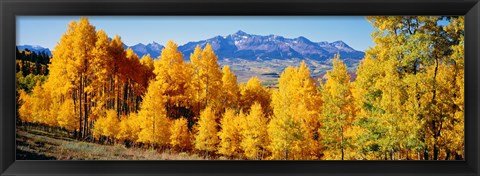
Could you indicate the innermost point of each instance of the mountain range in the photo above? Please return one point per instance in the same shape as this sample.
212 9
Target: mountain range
246 46
265 56
251 47
35 48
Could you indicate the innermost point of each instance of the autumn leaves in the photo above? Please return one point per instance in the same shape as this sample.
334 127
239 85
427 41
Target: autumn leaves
405 103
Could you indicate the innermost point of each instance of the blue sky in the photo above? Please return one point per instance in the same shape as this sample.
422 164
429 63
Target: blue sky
47 30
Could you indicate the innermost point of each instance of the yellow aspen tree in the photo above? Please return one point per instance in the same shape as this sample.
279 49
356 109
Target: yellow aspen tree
229 134
153 116
338 112
454 147
98 128
450 94
84 39
368 117
129 128
66 116
448 140
71 71
180 138
171 70
124 129
62 74
62 79
400 128
41 103
100 65
309 103
252 92
110 128
142 78
195 87
107 126
419 44
377 83
254 135
207 78
285 130
296 106
147 73
25 110
212 78
231 92
206 138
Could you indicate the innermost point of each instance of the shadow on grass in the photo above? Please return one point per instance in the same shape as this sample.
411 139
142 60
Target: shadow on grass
25 155
53 135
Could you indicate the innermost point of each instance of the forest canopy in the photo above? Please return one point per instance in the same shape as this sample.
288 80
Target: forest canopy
406 102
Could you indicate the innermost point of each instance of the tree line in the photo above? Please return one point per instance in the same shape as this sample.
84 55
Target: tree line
407 101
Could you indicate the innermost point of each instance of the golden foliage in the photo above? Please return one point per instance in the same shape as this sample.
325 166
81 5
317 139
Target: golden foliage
154 121
296 105
231 92
254 133
229 134
407 101
338 112
180 137
253 92
206 79
206 138
107 126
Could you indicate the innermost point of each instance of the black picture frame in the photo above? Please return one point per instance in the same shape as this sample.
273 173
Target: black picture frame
11 8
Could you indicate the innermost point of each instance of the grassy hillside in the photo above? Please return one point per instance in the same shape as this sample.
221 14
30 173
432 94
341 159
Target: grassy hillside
36 144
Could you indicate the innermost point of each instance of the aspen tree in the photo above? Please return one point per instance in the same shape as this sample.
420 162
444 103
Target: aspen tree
338 111
254 135
206 138
180 137
229 134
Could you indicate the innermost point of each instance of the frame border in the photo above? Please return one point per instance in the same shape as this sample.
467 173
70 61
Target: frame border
12 8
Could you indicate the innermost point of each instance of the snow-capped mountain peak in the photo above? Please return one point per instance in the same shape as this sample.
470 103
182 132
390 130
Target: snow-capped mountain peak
35 48
252 47
153 49
240 33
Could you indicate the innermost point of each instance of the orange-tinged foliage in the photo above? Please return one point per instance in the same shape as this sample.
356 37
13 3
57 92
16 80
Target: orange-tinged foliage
171 70
253 92
407 101
180 137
